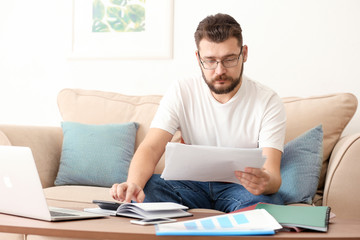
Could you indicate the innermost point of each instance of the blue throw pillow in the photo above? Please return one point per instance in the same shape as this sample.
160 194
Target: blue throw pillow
96 155
300 167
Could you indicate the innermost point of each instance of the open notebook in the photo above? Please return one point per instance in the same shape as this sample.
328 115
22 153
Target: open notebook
21 189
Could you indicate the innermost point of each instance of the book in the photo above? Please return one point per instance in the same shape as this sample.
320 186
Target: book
253 222
307 217
153 210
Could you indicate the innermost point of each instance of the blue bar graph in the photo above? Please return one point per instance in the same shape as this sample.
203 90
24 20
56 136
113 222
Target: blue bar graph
207 224
224 222
241 219
190 225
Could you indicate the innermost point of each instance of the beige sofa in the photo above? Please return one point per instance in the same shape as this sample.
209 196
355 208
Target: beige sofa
337 188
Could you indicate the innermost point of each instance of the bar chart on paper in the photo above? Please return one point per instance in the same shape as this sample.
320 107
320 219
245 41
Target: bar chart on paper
251 222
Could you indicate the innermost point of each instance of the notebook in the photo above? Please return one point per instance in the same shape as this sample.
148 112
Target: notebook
305 217
21 189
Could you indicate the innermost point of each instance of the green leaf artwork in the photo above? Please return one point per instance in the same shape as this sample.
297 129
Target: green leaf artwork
118 16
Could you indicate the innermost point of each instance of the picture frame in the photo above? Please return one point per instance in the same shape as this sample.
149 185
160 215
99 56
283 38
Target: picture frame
154 41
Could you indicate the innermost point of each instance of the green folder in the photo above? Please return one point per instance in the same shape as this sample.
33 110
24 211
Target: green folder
307 217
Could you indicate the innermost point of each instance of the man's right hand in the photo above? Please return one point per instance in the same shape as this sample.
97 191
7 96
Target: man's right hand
142 166
125 192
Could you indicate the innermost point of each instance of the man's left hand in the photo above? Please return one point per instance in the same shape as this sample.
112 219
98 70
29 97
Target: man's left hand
255 180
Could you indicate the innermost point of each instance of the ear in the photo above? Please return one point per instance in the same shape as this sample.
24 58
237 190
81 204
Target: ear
197 56
245 52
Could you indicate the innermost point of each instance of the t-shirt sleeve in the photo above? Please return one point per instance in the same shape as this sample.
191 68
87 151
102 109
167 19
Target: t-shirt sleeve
166 116
273 127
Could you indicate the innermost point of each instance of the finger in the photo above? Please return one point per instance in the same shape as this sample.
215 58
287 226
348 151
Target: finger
249 172
240 176
122 191
253 184
118 190
140 197
113 191
255 171
250 178
130 193
238 173
258 190
255 188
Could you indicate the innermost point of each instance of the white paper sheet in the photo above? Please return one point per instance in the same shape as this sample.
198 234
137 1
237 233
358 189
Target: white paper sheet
253 222
208 163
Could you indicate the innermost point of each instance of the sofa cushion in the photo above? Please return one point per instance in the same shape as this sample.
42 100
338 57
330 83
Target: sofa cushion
333 112
96 155
99 107
84 194
301 166
12 236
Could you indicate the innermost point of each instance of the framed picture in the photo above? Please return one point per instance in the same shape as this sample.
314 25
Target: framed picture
123 29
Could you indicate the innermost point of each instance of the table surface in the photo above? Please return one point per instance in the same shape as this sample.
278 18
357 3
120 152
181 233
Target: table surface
121 228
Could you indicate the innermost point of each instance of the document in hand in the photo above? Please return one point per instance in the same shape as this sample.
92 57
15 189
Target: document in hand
145 210
306 217
208 163
253 222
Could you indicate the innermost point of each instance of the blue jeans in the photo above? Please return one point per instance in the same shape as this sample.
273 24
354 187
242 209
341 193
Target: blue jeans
225 197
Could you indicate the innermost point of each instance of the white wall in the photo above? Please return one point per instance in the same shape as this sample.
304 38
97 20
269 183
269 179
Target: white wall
296 47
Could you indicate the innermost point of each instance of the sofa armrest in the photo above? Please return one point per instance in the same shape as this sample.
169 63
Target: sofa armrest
342 189
45 143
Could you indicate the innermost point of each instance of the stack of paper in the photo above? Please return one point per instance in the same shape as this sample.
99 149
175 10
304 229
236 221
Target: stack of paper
208 163
253 222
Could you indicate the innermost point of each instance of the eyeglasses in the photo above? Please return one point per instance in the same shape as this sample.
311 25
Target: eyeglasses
212 64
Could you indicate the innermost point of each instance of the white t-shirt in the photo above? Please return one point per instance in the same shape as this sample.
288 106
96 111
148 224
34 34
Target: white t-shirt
253 118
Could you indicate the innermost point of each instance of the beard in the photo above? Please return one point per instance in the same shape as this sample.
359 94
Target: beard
223 90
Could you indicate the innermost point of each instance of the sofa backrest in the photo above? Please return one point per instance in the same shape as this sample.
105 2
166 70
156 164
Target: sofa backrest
98 107
333 111
4 140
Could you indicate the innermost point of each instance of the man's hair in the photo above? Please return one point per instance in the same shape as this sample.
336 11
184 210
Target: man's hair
218 28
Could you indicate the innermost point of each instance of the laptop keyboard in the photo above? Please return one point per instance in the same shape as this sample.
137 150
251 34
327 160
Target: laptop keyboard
60 214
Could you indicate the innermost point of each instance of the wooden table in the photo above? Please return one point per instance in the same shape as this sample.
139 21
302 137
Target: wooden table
121 228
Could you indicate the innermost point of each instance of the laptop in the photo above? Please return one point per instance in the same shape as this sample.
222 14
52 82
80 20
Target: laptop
21 189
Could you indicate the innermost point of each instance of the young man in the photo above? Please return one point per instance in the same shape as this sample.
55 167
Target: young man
220 108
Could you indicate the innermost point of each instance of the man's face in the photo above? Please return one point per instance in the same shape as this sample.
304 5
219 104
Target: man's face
221 80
